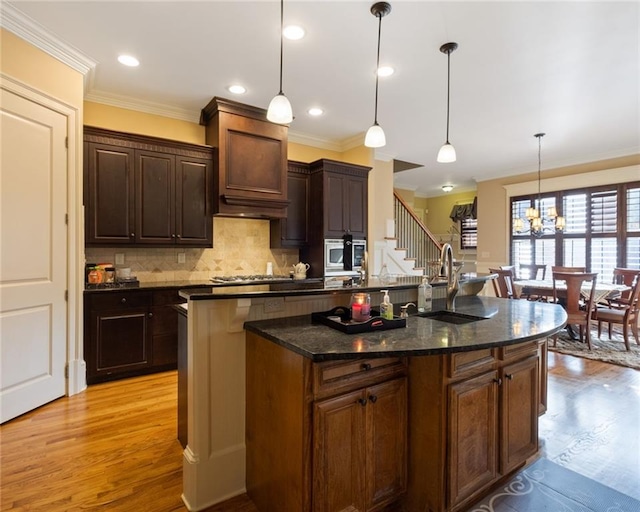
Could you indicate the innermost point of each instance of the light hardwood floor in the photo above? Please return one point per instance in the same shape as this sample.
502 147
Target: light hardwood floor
113 447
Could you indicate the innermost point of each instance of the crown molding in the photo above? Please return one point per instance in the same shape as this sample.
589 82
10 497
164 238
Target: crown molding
316 142
147 107
15 21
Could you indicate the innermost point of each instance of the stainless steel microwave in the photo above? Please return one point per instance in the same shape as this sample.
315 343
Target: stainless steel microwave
339 260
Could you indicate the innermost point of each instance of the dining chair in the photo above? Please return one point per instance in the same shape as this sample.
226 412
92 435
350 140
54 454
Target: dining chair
532 271
578 307
623 314
568 269
503 284
628 277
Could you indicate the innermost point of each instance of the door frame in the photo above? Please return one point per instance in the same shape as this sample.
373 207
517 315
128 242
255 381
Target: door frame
76 380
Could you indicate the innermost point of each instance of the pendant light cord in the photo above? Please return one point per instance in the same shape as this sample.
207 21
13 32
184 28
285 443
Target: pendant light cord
375 114
281 41
539 164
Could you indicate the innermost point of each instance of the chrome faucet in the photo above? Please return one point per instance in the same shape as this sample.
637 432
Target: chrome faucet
446 266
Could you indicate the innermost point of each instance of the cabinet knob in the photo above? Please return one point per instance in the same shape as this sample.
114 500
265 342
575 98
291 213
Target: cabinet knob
179 236
150 315
498 381
132 235
373 399
365 367
173 235
509 376
123 300
362 401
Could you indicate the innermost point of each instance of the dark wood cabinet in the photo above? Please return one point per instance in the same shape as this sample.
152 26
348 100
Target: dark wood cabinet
117 335
293 231
130 332
146 191
251 163
339 197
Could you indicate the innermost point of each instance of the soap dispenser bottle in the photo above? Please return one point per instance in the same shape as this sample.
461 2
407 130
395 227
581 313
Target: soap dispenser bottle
386 308
425 294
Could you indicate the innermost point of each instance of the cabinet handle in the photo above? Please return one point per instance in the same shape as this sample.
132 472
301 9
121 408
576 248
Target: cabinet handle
498 381
173 235
123 300
373 399
365 366
150 315
509 376
179 236
132 235
362 401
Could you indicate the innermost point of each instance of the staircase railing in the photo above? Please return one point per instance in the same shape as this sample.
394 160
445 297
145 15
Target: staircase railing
414 236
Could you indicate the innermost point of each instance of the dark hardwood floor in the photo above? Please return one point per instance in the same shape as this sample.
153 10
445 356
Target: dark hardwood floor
114 448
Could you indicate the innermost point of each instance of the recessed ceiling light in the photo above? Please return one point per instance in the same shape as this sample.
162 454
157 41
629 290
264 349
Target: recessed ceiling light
386 71
315 111
128 60
293 32
236 89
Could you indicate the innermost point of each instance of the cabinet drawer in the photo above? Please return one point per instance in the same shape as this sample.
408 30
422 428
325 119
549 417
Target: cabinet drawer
467 363
341 376
518 351
120 300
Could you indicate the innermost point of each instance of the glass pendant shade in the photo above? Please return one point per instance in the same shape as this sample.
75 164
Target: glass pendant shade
536 224
447 154
375 137
280 110
518 225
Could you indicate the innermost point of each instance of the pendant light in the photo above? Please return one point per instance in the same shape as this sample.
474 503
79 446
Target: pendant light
375 135
447 153
280 109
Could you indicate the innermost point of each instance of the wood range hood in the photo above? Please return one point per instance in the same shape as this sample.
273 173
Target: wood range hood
250 161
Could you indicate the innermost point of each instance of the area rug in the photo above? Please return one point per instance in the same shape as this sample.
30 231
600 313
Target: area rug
610 351
546 486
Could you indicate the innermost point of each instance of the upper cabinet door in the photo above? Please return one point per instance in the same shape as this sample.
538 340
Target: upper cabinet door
193 221
155 203
109 195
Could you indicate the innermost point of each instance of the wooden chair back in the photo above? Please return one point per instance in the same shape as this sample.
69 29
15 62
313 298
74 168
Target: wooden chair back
628 276
568 269
503 284
578 306
532 271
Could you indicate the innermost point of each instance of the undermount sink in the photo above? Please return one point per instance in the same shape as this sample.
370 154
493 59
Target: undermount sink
451 317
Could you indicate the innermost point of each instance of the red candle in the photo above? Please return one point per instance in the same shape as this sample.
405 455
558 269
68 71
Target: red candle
356 312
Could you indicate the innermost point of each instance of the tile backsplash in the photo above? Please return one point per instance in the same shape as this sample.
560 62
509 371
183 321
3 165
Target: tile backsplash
240 246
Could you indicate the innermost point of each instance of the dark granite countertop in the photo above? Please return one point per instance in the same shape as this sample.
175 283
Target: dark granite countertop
313 287
149 285
506 322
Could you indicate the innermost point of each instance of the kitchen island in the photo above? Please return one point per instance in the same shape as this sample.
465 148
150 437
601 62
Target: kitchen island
214 467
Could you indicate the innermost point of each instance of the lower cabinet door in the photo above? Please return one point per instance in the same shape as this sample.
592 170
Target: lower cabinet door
386 423
121 342
473 436
339 453
519 406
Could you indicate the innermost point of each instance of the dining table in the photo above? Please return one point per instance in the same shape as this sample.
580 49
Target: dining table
544 288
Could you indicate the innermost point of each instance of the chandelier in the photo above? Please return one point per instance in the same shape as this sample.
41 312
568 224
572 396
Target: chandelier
533 214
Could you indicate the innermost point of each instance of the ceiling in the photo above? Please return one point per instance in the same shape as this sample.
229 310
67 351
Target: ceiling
570 69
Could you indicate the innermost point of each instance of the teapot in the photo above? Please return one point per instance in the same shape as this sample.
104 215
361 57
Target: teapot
300 270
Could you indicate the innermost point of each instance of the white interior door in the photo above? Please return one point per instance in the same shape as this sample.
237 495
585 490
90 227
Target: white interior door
33 254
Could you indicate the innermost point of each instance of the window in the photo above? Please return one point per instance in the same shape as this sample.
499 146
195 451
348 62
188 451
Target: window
602 229
468 234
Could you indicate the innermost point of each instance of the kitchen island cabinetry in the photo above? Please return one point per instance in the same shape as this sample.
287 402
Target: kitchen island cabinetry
146 191
488 401
351 416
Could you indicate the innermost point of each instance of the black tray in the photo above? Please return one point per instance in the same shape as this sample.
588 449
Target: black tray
342 321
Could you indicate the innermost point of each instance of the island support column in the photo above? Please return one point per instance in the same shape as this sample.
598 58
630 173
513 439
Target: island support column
214 459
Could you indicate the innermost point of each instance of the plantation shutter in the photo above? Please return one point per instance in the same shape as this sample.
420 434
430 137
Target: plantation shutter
604 211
